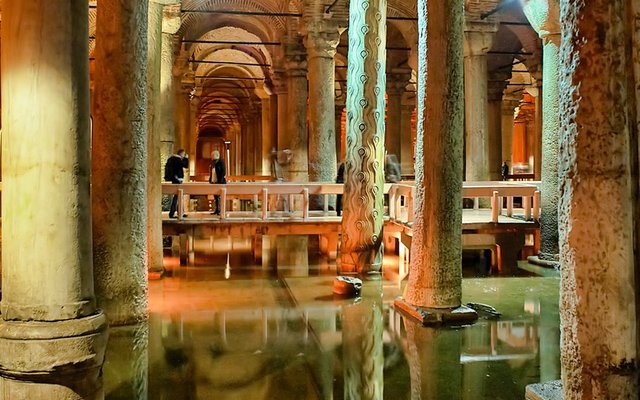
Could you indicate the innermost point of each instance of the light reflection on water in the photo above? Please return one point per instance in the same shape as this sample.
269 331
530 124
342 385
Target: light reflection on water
228 329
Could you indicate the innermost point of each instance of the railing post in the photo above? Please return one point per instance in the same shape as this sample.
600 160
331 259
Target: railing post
495 207
180 203
510 206
476 203
305 203
536 205
526 204
223 203
265 203
255 204
392 202
326 204
292 208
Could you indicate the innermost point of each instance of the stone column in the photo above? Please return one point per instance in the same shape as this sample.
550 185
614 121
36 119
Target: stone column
544 18
120 162
494 119
598 201
362 222
406 149
267 137
154 164
338 122
396 85
183 115
321 43
296 138
52 336
478 38
280 87
508 109
167 100
434 289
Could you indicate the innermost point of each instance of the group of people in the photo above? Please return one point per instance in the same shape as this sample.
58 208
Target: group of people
174 173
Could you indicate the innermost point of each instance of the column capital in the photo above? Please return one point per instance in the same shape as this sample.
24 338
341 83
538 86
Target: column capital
322 43
279 81
509 106
478 37
171 18
544 16
295 56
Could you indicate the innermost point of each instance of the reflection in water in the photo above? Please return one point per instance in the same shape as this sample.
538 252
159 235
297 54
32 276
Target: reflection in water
363 359
265 335
126 365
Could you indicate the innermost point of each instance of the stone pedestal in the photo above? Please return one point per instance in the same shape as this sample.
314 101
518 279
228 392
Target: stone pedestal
120 162
598 203
52 336
435 277
362 222
478 38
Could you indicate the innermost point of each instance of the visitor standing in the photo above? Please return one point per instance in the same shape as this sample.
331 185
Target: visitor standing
217 174
174 173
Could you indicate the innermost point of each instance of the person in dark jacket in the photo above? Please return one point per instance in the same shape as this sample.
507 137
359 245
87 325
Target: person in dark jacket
217 174
174 173
339 179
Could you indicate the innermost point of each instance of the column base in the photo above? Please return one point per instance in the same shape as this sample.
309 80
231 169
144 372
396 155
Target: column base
537 260
436 316
544 391
46 360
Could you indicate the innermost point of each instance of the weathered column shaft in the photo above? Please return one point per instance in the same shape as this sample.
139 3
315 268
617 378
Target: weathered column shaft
494 124
154 164
120 162
549 248
476 44
280 83
338 122
508 108
435 278
362 222
544 18
598 202
407 134
393 136
321 49
167 100
267 137
297 137
52 337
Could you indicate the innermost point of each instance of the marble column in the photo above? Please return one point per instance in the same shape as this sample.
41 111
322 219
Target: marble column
434 289
598 201
321 43
154 164
362 223
544 18
494 119
183 117
478 38
396 85
407 135
280 87
119 155
167 100
52 336
508 109
296 138
338 122
268 136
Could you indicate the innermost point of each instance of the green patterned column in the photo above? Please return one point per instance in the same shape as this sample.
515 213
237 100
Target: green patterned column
362 222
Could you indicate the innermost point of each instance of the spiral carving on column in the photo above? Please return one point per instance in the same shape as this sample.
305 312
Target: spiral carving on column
362 222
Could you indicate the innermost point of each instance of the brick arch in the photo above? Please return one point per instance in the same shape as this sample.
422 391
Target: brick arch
191 21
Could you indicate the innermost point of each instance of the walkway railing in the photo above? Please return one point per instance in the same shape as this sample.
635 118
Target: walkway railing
401 197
